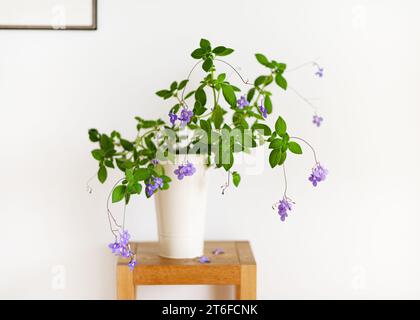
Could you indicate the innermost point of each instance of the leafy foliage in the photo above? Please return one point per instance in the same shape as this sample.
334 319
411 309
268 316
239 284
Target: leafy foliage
215 112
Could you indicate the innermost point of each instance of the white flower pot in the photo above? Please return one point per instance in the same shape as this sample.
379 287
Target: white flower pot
181 211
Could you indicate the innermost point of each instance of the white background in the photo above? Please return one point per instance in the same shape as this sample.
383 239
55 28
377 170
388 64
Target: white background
355 236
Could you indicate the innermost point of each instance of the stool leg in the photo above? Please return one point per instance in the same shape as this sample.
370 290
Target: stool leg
247 289
126 289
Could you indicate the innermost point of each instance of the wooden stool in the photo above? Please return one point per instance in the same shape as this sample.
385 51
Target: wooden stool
234 267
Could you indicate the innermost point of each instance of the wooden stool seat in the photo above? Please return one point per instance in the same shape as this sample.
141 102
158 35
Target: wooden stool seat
236 266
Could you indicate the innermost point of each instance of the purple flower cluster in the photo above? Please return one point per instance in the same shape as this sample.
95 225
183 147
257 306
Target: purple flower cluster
284 206
263 110
185 170
153 184
317 120
242 102
319 173
155 162
184 117
121 248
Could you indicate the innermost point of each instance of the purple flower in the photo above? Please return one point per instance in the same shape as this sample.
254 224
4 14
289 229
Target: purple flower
242 102
263 110
218 251
172 118
317 120
155 162
203 259
121 248
185 117
158 182
319 72
132 264
150 189
125 252
152 185
185 170
284 206
115 247
124 238
319 173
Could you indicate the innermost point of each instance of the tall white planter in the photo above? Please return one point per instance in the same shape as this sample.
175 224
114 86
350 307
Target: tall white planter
181 211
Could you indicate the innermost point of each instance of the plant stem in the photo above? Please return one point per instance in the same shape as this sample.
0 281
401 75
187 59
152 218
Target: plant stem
308 144
213 89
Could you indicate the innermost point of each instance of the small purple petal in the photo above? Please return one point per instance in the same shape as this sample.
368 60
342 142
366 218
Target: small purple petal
203 259
218 251
132 264
317 120
172 118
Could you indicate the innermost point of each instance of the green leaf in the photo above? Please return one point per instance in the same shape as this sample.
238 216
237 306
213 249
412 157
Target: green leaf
260 126
268 104
236 177
127 145
221 77
129 175
281 81
282 158
263 60
205 44
219 50
189 94
118 193
102 174
229 165
280 126
217 116
166 178
182 84
276 144
198 108
250 94
205 126
226 52
174 85
229 95
275 157
198 53
222 51
200 95
98 154
260 80
94 135
106 143
280 66
295 147
239 120
207 64
136 188
109 163
163 93
141 174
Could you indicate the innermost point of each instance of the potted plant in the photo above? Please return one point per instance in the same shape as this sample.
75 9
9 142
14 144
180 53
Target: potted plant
205 128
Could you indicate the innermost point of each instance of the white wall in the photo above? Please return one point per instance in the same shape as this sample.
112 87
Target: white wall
356 236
